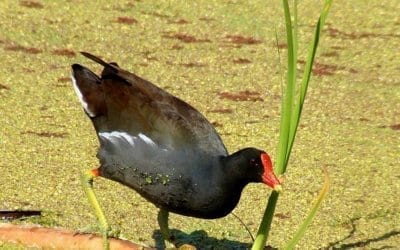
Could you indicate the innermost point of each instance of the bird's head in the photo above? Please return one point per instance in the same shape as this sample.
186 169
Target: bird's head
253 165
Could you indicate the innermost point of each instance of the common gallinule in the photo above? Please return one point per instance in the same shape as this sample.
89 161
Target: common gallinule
162 147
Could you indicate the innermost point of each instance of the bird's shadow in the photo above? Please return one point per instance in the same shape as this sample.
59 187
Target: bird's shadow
200 240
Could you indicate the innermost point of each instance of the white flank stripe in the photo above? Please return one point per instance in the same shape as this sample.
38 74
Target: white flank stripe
115 136
80 96
147 140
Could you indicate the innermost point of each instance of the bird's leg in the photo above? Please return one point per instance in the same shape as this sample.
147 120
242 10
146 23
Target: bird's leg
163 223
87 184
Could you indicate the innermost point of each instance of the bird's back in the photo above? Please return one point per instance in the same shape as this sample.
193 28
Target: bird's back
150 140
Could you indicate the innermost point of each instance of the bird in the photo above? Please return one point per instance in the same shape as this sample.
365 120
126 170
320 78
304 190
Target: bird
162 147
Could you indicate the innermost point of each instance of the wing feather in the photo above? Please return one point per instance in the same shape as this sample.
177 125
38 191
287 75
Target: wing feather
136 106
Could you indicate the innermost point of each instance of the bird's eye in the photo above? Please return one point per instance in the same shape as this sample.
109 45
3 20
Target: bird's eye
253 162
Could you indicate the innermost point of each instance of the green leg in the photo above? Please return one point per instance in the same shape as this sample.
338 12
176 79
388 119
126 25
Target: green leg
163 223
87 184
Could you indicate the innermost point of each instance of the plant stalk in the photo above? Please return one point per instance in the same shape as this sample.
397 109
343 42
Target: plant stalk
292 104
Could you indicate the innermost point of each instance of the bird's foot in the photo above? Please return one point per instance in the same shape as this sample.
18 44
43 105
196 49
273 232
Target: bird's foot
169 245
169 241
187 247
172 243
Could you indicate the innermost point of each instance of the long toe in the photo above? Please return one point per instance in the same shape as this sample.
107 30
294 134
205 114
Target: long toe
169 244
187 247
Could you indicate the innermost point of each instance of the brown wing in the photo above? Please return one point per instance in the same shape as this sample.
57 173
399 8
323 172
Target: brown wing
125 102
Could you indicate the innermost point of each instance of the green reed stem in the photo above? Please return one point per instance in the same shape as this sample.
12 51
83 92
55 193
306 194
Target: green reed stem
292 104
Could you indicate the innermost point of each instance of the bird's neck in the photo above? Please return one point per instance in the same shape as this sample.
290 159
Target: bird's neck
232 170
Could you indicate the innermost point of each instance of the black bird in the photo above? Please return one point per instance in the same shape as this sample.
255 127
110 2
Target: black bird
162 147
